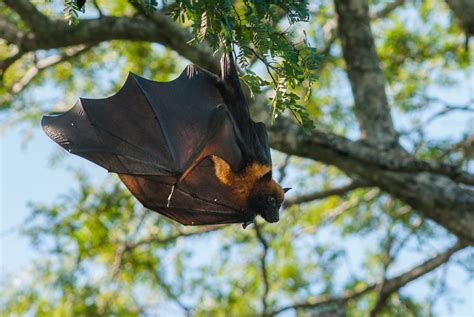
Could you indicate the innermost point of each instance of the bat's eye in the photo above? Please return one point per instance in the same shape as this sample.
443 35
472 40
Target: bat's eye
271 200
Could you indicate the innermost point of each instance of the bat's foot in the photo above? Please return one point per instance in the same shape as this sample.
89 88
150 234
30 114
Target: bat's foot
247 223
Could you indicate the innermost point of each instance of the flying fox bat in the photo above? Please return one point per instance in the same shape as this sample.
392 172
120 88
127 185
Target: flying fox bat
187 149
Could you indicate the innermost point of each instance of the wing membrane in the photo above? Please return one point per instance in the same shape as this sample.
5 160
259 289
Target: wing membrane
151 128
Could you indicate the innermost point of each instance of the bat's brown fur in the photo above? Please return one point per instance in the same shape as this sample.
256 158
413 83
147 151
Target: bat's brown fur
245 183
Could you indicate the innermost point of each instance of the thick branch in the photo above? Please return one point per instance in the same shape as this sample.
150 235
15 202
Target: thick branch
366 77
436 197
28 13
464 11
162 30
9 32
390 285
129 28
367 154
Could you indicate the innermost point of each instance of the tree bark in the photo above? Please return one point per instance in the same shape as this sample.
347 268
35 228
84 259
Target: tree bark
366 77
464 11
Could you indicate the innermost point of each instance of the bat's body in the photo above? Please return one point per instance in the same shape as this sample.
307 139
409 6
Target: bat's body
187 149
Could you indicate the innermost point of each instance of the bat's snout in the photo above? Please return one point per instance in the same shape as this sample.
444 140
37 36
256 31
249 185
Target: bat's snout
273 219
271 216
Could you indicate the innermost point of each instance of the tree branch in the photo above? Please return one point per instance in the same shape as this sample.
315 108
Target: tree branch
389 8
159 28
446 107
171 238
364 152
4 64
436 197
97 7
282 169
38 67
464 11
162 31
29 14
168 290
263 266
329 35
9 32
295 200
126 246
330 27
365 75
387 261
391 285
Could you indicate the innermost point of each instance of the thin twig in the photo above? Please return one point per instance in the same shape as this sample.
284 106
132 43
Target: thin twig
329 36
158 240
389 8
282 169
97 7
346 205
7 62
387 261
40 66
269 68
447 109
391 285
295 200
263 267
168 290
123 246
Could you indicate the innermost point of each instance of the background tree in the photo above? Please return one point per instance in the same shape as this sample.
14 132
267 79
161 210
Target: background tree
373 170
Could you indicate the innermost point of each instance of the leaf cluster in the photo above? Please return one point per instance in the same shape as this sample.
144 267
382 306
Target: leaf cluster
255 29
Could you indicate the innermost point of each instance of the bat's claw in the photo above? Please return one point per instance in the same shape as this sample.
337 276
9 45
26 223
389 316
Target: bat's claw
247 223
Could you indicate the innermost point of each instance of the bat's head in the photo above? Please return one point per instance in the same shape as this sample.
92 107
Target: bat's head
267 197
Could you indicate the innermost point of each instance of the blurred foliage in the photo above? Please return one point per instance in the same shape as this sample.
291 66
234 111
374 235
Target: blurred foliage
101 253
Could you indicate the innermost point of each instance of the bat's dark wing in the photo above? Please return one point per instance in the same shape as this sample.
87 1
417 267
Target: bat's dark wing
159 134
151 128
200 199
263 146
255 146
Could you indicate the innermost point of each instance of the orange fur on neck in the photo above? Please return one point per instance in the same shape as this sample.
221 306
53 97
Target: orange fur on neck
243 183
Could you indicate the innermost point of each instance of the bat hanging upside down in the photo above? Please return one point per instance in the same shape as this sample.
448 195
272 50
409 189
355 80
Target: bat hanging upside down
187 148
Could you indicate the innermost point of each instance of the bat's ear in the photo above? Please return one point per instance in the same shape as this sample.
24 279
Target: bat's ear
267 177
